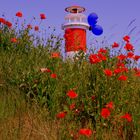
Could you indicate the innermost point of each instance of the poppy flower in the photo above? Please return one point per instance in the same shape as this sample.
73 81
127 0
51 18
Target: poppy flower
9 24
13 40
120 64
86 132
127 116
117 71
36 28
45 70
136 57
109 105
122 78
2 20
115 45
53 75
102 57
102 50
55 55
72 106
121 57
105 113
129 47
72 94
42 16
93 58
130 55
61 115
126 38
108 72
19 14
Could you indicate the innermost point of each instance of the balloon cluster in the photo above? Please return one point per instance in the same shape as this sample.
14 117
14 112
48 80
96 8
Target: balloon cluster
92 20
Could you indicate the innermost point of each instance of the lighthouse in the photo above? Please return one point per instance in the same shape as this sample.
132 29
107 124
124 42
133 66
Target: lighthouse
75 27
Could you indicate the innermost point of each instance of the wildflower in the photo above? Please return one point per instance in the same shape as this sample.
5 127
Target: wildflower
108 72
105 113
109 105
93 98
126 38
13 40
42 16
72 94
137 74
72 106
93 58
86 132
129 47
121 57
2 20
120 64
136 57
122 78
9 24
101 50
53 75
130 54
19 14
117 71
61 115
102 57
124 69
45 70
36 28
127 116
115 45
55 55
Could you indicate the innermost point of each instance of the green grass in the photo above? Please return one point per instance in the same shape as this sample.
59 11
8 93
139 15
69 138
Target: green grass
31 99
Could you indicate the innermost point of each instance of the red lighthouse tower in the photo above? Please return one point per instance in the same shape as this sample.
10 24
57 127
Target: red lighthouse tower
75 27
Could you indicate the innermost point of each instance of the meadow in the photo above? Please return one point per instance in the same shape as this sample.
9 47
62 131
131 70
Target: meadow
46 97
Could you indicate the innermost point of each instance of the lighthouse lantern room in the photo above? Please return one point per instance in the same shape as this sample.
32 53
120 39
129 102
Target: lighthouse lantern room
75 27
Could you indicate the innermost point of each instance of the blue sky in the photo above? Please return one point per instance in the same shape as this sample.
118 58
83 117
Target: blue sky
114 15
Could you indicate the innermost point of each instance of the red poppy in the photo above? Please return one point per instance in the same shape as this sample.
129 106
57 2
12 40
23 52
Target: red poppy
129 47
130 54
126 38
120 64
108 72
93 58
102 50
53 75
9 24
36 28
121 57
117 71
61 115
122 78
136 57
72 106
2 20
45 70
72 94
55 55
86 132
13 40
115 45
110 105
124 69
101 57
105 113
19 14
137 74
127 116
42 16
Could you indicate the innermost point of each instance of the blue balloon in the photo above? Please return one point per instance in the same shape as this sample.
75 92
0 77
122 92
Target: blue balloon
92 19
97 30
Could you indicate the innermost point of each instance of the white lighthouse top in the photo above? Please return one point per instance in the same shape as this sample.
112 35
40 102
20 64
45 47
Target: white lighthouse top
75 18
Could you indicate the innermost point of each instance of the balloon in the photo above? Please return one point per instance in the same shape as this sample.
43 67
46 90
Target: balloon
97 30
92 19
